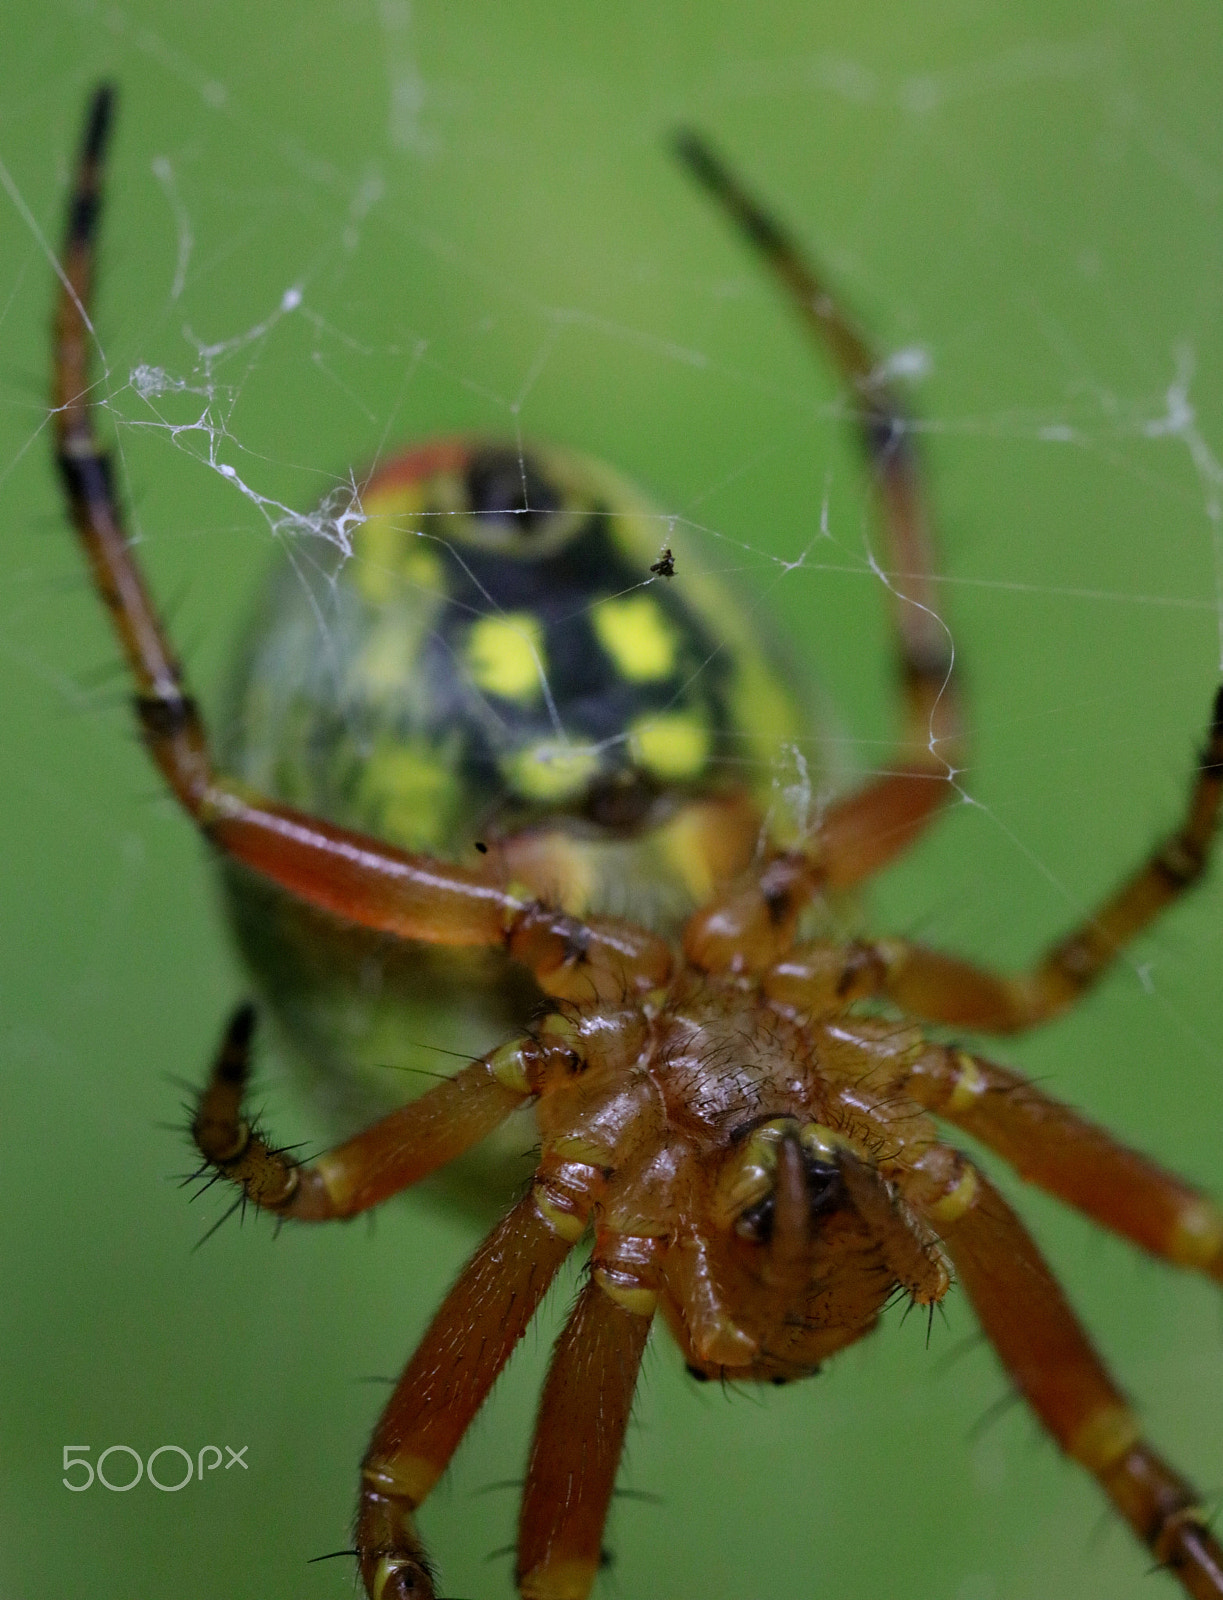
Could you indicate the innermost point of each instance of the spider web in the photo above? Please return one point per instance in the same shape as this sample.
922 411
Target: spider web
338 227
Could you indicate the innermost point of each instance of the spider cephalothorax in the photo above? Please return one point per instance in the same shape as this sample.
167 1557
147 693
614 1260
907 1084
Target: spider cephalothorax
754 1150
742 1115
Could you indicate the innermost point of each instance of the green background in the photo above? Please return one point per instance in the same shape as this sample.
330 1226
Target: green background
487 232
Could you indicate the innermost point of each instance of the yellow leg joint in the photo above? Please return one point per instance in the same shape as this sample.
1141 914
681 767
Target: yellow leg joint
338 1179
564 1223
1107 1435
570 1579
626 1292
508 1065
957 1200
1164 1547
1196 1239
969 1085
388 1568
404 1477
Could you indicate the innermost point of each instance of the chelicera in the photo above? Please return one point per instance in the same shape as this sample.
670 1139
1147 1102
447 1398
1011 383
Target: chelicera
744 1118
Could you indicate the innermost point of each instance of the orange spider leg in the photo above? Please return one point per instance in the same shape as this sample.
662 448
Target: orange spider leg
1051 1361
823 977
349 874
344 872
449 1377
946 989
579 1432
402 1148
862 833
1054 1147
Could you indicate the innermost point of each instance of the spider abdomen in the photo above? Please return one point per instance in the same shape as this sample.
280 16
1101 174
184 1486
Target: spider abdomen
497 674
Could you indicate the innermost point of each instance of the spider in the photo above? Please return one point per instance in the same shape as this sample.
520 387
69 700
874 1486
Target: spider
744 1116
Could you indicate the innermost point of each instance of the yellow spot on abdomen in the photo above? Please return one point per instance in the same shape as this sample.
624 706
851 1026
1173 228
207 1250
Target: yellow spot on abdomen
421 567
550 771
684 844
377 545
505 656
673 744
388 549
387 657
414 788
764 710
637 636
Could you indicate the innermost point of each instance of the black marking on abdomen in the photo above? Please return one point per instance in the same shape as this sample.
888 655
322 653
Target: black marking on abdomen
503 486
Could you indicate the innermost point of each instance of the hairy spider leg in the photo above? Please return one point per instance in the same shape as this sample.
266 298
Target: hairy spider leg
395 1152
868 828
1048 1143
352 875
448 1378
579 1435
1056 1148
369 883
485 1314
944 988
860 834
1053 1364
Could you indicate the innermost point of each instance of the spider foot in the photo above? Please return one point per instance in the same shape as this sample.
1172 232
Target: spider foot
228 1142
392 1559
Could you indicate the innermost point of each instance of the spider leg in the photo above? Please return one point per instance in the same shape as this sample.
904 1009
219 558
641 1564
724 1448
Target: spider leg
943 988
1061 1151
579 1434
395 1152
355 877
1051 1361
948 990
351 875
863 832
449 1377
